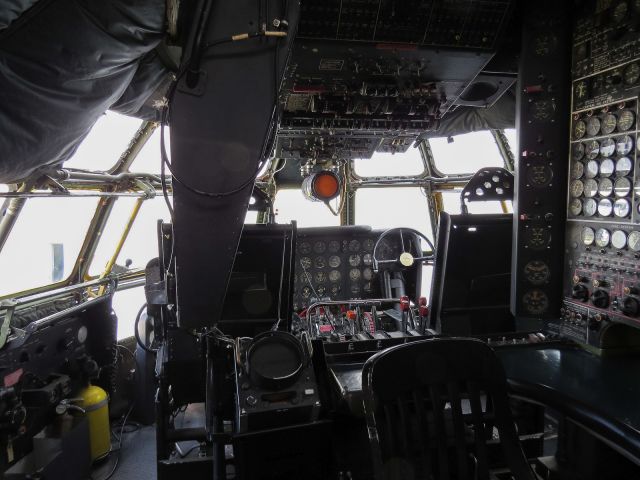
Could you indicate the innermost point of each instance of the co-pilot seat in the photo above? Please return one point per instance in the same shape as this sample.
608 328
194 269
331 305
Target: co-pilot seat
472 266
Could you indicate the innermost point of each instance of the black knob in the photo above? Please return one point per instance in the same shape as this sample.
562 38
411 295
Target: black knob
594 325
580 292
630 306
600 298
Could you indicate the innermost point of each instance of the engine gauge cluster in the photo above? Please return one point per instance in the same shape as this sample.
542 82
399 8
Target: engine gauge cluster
336 263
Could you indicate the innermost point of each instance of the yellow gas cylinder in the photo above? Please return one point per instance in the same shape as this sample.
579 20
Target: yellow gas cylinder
95 402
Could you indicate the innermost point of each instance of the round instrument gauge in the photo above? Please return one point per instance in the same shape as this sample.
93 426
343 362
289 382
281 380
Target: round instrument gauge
320 277
319 262
577 151
367 259
605 207
590 188
605 187
577 170
592 149
579 129
593 126
588 235
367 274
537 238
321 290
624 166
607 167
618 239
367 287
334 290
537 272
575 207
354 246
305 248
590 207
619 13
591 169
82 334
603 237
624 145
334 261
626 120
334 246
622 187
354 274
535 302
354 260
609 123
607 147
622 208
319 247
633 241
355 289
305 263
545 44
542 110
576 188
631 73
306 292
368 245
335 276
539 175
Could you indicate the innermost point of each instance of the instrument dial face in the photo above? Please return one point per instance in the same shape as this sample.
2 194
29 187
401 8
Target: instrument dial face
588 235
622 208
618 239
631 73
593 126
607 147
367 259
305 248
576 188
603 237
335 275
633 241
368 245
609 123
605 207
305 263
334 261
367 274
592 149
626 120
354 246
354 260
354 274
535 302
539 175
537 272
355 289
577 170
590 207
320 277
624 166
579 129
607 167
577 151
367 287
591 169
590 188
620 12
319 247
306 292
575 206
538 238
622 187
321 290
334 246
543 109
605 187
320 262
624 145
335 290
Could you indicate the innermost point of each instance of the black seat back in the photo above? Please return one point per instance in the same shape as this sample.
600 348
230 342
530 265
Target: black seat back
431 407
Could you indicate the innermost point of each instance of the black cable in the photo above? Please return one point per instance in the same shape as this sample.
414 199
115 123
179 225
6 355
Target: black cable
136 333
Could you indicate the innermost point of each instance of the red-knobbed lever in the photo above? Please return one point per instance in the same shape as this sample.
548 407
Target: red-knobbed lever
404 308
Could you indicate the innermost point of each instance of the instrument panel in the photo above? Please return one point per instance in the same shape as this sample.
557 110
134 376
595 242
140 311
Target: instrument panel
337 264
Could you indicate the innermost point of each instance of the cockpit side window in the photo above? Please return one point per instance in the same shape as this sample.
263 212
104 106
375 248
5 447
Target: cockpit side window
465 154
290 204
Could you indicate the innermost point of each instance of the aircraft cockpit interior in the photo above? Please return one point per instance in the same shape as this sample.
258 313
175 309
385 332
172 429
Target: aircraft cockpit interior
320 240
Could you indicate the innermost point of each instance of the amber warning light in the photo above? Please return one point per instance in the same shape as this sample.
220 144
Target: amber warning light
321 187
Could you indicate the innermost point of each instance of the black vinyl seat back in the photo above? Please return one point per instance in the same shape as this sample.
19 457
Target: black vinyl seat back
432 409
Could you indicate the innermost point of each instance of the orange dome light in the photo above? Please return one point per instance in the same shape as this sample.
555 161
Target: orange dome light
322 186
